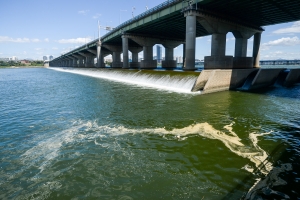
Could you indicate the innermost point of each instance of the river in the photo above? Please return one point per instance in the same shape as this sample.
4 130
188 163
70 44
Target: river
116 134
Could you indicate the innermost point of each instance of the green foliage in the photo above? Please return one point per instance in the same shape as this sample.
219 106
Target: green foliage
19 64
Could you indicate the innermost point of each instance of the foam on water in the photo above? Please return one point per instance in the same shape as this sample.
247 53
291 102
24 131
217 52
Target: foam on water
47 150
181 84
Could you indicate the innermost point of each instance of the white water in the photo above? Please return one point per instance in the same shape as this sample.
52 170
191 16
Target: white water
179 83
48 149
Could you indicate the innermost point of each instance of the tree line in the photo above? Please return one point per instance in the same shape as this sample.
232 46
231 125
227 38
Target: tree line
19 64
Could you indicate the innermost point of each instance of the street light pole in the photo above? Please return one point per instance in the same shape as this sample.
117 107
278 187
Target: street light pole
120 15
133 8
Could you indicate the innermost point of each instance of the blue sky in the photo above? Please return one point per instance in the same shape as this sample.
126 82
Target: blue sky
33 28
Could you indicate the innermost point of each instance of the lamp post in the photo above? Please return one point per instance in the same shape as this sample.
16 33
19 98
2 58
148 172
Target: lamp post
133 8
106 27
120 15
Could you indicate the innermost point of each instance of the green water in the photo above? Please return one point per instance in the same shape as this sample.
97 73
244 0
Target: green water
96 134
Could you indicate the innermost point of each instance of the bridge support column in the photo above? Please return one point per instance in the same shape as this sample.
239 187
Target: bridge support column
219 28
117 60
74 64
89 59
135 56
190 45
79 61
69 62
256 46
169 61
117 50
147 44
183 55
218 60
240 60
148 62
99 57
125 52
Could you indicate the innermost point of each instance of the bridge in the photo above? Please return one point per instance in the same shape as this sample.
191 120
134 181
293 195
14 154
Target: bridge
279 62
176 22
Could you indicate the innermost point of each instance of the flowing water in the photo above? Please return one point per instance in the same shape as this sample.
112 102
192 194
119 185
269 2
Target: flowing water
117 134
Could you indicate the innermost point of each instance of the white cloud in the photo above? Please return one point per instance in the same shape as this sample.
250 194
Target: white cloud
295 28
74 41
38 49
280 55
35 40
54 48
83 12
1 53
9 39
286 41
46 39
97 16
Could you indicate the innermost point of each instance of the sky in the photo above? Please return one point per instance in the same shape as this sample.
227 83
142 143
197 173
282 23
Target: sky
34 28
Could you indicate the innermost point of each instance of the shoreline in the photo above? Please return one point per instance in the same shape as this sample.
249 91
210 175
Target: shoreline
15 67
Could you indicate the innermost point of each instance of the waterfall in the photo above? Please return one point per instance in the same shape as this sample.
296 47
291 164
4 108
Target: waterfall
176 81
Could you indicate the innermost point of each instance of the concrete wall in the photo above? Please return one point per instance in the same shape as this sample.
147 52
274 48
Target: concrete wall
220 80
264 78
292 77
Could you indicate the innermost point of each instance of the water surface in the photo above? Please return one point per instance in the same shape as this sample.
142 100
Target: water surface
89 134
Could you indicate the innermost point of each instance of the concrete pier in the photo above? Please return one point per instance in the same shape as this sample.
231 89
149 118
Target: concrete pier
256 46
221 80
263 78
116 55
292 77
135 56
125 52
89 59
169 61
190 45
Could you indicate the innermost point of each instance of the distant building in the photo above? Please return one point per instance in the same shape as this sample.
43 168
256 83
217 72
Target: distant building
50 57
158 53
179 59
26 62
4 59
14 58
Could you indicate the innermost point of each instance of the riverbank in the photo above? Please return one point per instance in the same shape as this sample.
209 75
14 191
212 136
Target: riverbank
21 67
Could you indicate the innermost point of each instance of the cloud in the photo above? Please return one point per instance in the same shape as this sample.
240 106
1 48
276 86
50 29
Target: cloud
295 28
280 55
1 53
46 39
38 49
9 39
97 16
54 48
83 12
74 41
285 41
35 40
